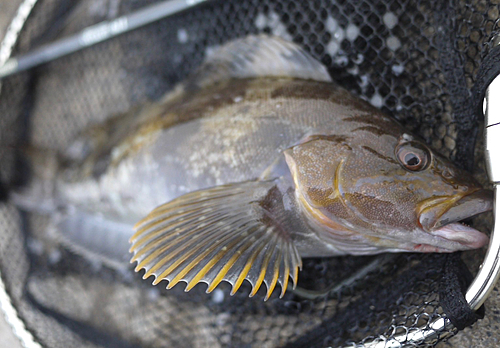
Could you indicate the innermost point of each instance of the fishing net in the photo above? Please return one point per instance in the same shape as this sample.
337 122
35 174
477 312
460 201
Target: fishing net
416 60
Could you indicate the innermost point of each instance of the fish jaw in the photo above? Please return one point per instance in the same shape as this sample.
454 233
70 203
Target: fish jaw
466 236
441 219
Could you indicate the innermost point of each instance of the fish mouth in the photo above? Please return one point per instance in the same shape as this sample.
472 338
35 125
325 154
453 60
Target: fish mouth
441 217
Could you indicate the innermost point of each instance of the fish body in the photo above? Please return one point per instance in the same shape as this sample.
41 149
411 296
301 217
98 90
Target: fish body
255 162
240 138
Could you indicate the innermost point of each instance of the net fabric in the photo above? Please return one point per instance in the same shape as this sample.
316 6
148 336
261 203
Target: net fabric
384 51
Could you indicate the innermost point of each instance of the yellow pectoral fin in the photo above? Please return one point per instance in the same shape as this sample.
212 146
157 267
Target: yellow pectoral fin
216 234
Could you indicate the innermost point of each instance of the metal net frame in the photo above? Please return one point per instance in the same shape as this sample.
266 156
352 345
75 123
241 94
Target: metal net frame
409 58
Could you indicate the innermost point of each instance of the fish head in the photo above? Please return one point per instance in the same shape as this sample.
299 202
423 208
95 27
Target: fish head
396 194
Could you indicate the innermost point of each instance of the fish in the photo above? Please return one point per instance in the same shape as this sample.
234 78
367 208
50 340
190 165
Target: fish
253 163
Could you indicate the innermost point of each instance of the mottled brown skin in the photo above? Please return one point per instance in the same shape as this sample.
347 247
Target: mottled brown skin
240 172
131 131
348 186
254 162
378 193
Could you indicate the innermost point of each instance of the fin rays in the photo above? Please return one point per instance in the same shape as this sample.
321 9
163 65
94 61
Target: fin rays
257 56
214 235
176 248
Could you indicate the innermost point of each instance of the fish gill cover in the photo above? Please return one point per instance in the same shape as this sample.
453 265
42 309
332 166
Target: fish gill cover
401 56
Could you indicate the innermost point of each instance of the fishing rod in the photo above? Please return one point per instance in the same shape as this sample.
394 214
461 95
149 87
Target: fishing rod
95 34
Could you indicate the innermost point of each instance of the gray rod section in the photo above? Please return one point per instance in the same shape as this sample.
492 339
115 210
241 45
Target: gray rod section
94 34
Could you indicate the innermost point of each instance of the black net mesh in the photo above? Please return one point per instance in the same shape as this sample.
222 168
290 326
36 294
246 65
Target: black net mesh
395 54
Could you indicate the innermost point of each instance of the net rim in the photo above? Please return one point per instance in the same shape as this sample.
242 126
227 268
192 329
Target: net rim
6 46
476 295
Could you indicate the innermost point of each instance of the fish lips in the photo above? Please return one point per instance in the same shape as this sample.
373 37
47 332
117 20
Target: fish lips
443 221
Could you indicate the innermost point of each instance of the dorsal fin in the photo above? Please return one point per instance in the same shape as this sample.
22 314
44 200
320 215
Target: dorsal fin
259 56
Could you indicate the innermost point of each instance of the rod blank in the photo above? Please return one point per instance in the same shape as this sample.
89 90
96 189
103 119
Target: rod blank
95 34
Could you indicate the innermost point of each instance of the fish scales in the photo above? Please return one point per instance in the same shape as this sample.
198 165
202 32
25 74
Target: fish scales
249 127
253 163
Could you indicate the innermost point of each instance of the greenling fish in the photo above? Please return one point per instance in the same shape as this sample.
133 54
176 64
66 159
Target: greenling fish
257 161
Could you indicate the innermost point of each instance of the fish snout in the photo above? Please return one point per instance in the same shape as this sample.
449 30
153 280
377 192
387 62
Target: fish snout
442 219
472 204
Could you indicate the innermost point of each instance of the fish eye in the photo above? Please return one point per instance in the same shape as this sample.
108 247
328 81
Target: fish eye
413 156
